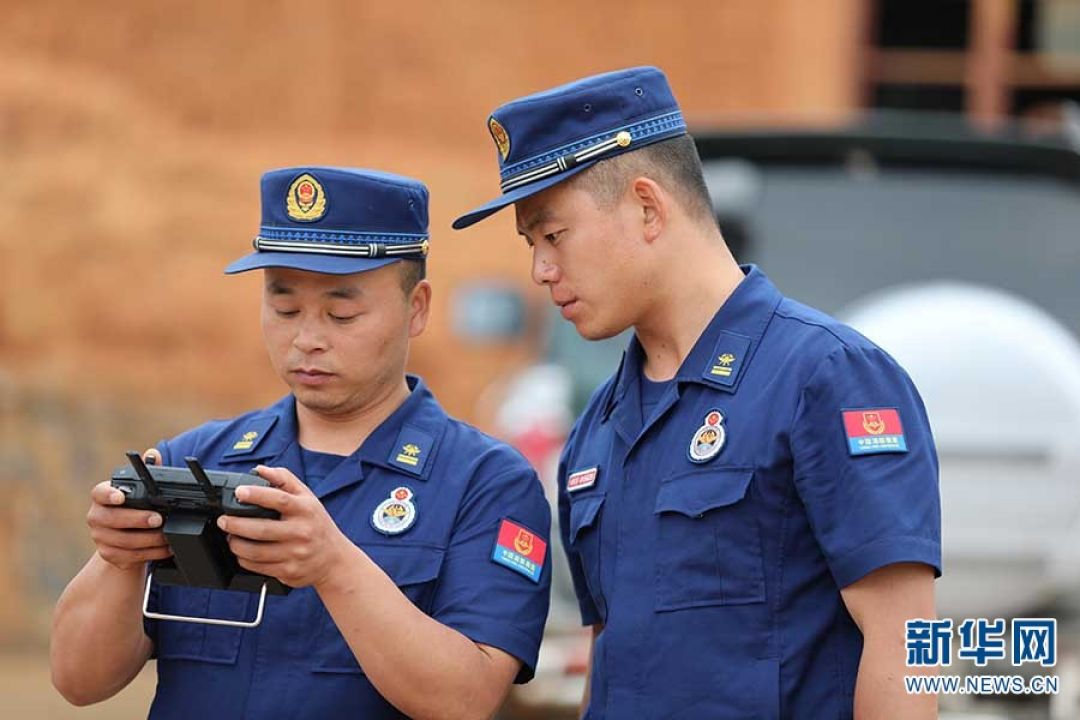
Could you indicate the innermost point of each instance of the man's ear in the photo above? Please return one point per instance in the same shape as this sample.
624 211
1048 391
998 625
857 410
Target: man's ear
419 307
654 205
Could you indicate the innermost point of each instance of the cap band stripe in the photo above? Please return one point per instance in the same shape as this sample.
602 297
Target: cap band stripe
663 124
562 164
670 124
368 250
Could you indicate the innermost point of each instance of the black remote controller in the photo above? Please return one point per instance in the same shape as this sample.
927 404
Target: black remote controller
191 500
165 489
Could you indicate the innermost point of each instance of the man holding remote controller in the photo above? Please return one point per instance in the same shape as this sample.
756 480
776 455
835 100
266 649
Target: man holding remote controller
417 545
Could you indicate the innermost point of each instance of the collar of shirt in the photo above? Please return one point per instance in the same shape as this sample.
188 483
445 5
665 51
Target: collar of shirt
318 465
405 442
718 358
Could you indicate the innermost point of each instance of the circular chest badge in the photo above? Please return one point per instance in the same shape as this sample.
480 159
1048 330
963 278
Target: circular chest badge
709 439
395 514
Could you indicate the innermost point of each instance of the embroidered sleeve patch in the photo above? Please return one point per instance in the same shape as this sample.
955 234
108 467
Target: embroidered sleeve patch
874 431
520 550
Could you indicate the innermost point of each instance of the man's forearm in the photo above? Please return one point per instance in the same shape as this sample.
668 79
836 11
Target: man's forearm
456 675
97 643
880 693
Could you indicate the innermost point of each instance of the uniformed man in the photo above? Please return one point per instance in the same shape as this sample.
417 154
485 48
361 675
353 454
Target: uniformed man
416 544
750 503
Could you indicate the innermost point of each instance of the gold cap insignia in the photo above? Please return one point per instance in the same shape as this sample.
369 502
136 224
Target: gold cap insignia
502 139
306 200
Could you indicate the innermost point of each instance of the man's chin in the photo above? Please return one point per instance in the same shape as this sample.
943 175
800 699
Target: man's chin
315 399
596 332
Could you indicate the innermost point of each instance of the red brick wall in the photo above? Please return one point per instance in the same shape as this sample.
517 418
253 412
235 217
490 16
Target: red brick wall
132 136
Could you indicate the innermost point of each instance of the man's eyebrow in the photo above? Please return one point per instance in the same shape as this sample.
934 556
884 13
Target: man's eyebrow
541 215
345 292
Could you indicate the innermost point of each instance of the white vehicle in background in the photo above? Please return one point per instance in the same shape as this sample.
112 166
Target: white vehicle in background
957 252
1002 389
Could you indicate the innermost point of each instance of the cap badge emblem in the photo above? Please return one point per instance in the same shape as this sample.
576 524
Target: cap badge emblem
502 139
306 200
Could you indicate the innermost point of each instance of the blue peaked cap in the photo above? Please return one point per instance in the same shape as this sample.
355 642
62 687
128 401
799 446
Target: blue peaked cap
545 138
338 221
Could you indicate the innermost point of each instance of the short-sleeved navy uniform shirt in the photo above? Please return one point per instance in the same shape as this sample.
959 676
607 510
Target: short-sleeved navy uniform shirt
466 489
710 535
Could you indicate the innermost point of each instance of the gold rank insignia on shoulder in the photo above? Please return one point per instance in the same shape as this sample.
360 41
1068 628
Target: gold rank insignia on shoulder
723 365
413 450
246 441
249 436
728 357
410 454
305 201
501 137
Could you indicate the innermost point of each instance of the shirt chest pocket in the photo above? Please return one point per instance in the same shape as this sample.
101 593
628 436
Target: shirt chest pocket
413 568
195 641
585 539
709 543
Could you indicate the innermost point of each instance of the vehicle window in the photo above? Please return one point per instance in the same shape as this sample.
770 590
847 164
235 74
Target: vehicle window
829 237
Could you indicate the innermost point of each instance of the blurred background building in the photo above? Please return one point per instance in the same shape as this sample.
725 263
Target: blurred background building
132 137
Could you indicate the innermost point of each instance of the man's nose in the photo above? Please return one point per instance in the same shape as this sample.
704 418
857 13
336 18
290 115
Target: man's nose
544 269
309 337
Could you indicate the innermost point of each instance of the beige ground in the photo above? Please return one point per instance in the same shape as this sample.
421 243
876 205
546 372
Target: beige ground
25 692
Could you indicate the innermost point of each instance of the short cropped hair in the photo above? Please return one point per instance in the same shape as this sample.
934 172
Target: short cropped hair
673 163
412 272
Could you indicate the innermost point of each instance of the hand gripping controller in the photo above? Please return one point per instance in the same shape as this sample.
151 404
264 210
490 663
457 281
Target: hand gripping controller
191 500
